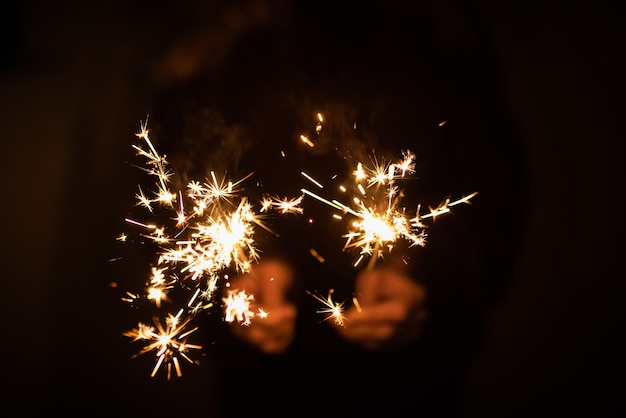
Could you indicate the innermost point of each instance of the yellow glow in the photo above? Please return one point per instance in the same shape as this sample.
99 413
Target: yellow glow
307 141
378 221
169 342
208 230
333 310
237 305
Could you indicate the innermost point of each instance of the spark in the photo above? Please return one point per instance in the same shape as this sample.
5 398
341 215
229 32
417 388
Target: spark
321 199
130 297
158 167
407 165
169 342
282 205
317 255
307 141
443 208
143 225
378 219
143 200
312 180
334 310
229 239
181 218
157 294
208 231
238 307
261 313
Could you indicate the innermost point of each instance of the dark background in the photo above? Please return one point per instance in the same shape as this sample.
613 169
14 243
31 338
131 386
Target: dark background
75 81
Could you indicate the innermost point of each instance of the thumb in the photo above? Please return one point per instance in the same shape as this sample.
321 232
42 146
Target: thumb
273 280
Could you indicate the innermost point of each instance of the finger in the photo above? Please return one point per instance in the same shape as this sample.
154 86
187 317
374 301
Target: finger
378 334
284 313
383 312
280 333
391 316
276 329
367 287
273 279
275 347
366 334
395 285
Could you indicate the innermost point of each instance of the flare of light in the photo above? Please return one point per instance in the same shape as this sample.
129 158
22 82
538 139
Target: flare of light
168 342
332 309
372 199
282 205
200 234
238 307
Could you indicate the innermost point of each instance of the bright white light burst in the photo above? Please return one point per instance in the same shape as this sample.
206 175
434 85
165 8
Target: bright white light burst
201 234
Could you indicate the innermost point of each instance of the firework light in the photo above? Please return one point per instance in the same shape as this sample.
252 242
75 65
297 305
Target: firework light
169 342
333 310
207 231
371 205
201 234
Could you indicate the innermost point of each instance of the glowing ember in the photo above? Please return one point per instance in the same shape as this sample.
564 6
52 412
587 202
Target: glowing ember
169 342
378 220
375 206
238 307
333 310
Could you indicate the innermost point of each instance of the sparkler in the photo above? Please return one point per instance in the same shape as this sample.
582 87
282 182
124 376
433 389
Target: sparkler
375 206
378 220
208 232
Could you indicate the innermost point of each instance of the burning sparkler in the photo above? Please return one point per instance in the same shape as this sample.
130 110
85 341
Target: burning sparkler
210 232
375 206
334 310
378 220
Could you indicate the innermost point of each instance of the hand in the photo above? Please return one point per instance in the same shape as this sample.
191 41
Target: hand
269 282
390 312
